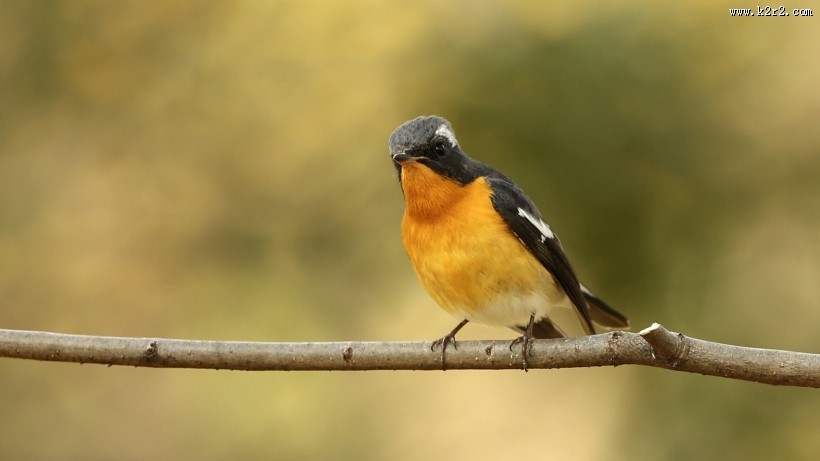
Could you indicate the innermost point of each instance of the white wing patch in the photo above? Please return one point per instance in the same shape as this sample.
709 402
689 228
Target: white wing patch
444 131
546 232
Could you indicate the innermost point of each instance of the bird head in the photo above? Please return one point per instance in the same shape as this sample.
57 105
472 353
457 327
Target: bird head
431 141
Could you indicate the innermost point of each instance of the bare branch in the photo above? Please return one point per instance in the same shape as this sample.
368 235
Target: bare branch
654 346
666 345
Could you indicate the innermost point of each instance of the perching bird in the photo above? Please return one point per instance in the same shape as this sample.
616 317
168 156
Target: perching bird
480 246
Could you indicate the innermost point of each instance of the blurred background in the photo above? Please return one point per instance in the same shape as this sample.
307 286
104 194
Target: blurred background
219 170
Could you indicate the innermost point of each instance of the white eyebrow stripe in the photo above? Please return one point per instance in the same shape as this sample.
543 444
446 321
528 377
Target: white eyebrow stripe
444 131
546 232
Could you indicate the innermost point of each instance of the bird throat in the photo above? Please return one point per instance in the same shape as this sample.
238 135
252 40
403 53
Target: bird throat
428 194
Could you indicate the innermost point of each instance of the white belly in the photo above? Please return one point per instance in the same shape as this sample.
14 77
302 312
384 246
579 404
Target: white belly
513 310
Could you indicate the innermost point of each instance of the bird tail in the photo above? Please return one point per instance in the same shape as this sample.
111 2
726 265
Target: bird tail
546 329
599 312
602 314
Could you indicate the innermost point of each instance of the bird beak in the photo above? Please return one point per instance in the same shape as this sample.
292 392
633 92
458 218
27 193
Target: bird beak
402 157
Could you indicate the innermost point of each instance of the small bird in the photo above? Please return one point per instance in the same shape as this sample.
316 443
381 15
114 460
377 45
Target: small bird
480 246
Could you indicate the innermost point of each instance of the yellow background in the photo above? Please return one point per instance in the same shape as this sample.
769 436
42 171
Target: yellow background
219 170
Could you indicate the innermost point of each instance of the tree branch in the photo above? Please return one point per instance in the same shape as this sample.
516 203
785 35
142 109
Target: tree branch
655 346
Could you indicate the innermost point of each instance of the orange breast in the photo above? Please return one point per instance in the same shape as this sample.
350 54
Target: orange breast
461 249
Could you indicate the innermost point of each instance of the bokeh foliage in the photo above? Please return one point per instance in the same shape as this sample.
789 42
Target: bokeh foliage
219 171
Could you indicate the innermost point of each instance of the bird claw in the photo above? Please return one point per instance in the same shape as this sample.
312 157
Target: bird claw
451 339
526 343
526 348
443 342
448 338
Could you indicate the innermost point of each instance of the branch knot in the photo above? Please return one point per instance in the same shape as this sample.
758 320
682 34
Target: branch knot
669 347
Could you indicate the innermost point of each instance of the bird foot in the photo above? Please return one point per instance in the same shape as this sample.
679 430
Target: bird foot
448 338
526 343
526 347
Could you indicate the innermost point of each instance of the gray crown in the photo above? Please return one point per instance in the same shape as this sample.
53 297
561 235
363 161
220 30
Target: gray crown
419 131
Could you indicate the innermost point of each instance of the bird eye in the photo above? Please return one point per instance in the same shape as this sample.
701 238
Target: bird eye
439 147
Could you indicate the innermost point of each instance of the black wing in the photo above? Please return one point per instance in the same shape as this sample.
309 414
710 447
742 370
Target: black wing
523 218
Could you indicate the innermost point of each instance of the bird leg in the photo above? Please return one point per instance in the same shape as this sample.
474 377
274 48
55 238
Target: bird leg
448 338
526 342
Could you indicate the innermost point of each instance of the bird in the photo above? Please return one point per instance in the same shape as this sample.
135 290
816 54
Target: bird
480 246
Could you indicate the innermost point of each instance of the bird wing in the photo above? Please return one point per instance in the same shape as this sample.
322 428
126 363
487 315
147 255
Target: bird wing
524 220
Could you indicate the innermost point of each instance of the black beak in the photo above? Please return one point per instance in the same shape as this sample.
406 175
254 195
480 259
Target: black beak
402 157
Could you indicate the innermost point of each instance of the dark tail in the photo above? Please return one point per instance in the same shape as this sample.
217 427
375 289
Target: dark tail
601 313
543 329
